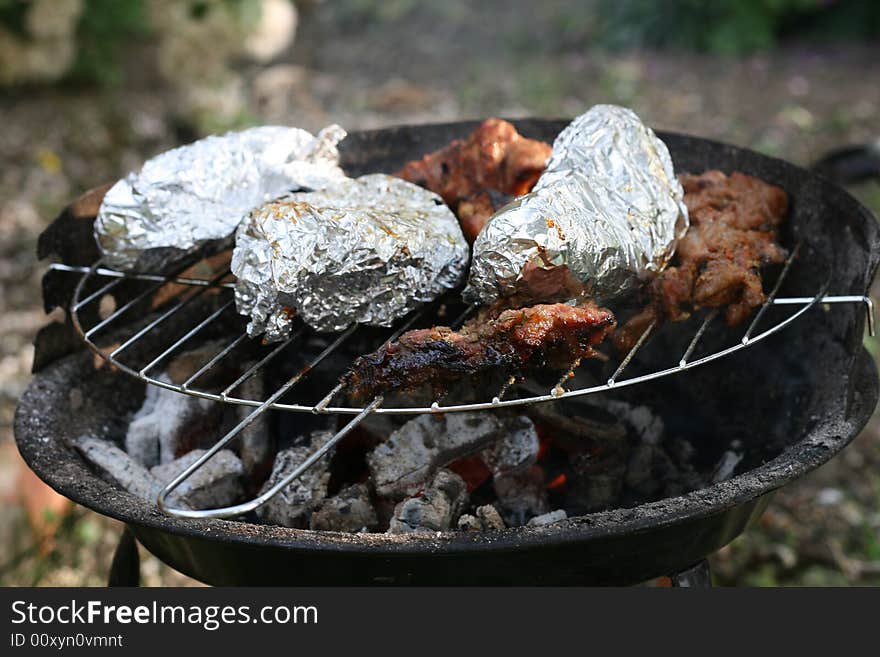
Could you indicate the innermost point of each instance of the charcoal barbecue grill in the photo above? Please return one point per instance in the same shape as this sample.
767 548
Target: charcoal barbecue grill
796 376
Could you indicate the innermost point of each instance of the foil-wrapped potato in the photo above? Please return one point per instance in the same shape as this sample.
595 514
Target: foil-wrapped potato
191 196
605 215
367 250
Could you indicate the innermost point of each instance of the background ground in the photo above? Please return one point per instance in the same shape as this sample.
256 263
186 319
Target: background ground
367 65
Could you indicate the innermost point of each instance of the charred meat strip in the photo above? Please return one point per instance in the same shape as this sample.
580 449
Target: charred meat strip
478 175
733 233
514 341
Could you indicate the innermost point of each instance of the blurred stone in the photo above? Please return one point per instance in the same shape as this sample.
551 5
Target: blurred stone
274 32
829 496
48 48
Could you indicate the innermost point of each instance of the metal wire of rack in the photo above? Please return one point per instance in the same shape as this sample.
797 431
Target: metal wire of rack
273 401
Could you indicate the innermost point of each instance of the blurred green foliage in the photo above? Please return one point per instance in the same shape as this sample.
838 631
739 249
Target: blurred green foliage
104 29
105 26
732 26
13 15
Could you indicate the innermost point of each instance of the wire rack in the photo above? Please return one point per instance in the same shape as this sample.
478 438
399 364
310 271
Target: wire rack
161 344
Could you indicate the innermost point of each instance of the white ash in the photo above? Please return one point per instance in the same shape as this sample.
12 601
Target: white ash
413 453
350 510
521 496
118 466
547 518
255 445
517 450
217 483
648 468
435 510
168 425
487 518
469 523
380 425
293 505
642 420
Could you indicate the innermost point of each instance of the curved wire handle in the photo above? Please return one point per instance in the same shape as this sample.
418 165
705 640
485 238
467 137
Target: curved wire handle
244 507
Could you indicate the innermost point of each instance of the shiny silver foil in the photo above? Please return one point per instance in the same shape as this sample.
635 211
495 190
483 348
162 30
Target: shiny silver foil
199 193
606 214
367 250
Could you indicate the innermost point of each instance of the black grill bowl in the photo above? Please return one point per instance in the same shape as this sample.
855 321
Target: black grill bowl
794 400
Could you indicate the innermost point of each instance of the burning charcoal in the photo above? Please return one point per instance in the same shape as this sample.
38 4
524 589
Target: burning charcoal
517 450
683 454
436 510
121 468
547 518
572 420
487 518
402 464
216 484
649 467
168 425
348 511
521 496
292 506
598 482
378 425
469 523
642 420
255 445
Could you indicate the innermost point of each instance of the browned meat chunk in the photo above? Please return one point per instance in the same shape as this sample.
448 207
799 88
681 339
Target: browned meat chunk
542 336
717 264
477 175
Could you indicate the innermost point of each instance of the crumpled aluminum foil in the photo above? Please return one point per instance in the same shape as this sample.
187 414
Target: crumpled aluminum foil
367 250
606 214
199 193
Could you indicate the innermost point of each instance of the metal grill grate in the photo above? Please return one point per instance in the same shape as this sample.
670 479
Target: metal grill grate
154 337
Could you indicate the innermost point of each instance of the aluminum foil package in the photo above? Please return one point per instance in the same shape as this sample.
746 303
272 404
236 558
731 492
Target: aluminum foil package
367 250
605 214
190 196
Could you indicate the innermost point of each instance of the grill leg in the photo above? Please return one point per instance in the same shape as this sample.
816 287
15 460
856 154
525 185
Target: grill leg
697 576
126 567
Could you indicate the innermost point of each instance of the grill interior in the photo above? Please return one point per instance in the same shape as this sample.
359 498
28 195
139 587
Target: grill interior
186 310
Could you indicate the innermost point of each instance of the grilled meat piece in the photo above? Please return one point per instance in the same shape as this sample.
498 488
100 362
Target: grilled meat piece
478 175
514 341
732 234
